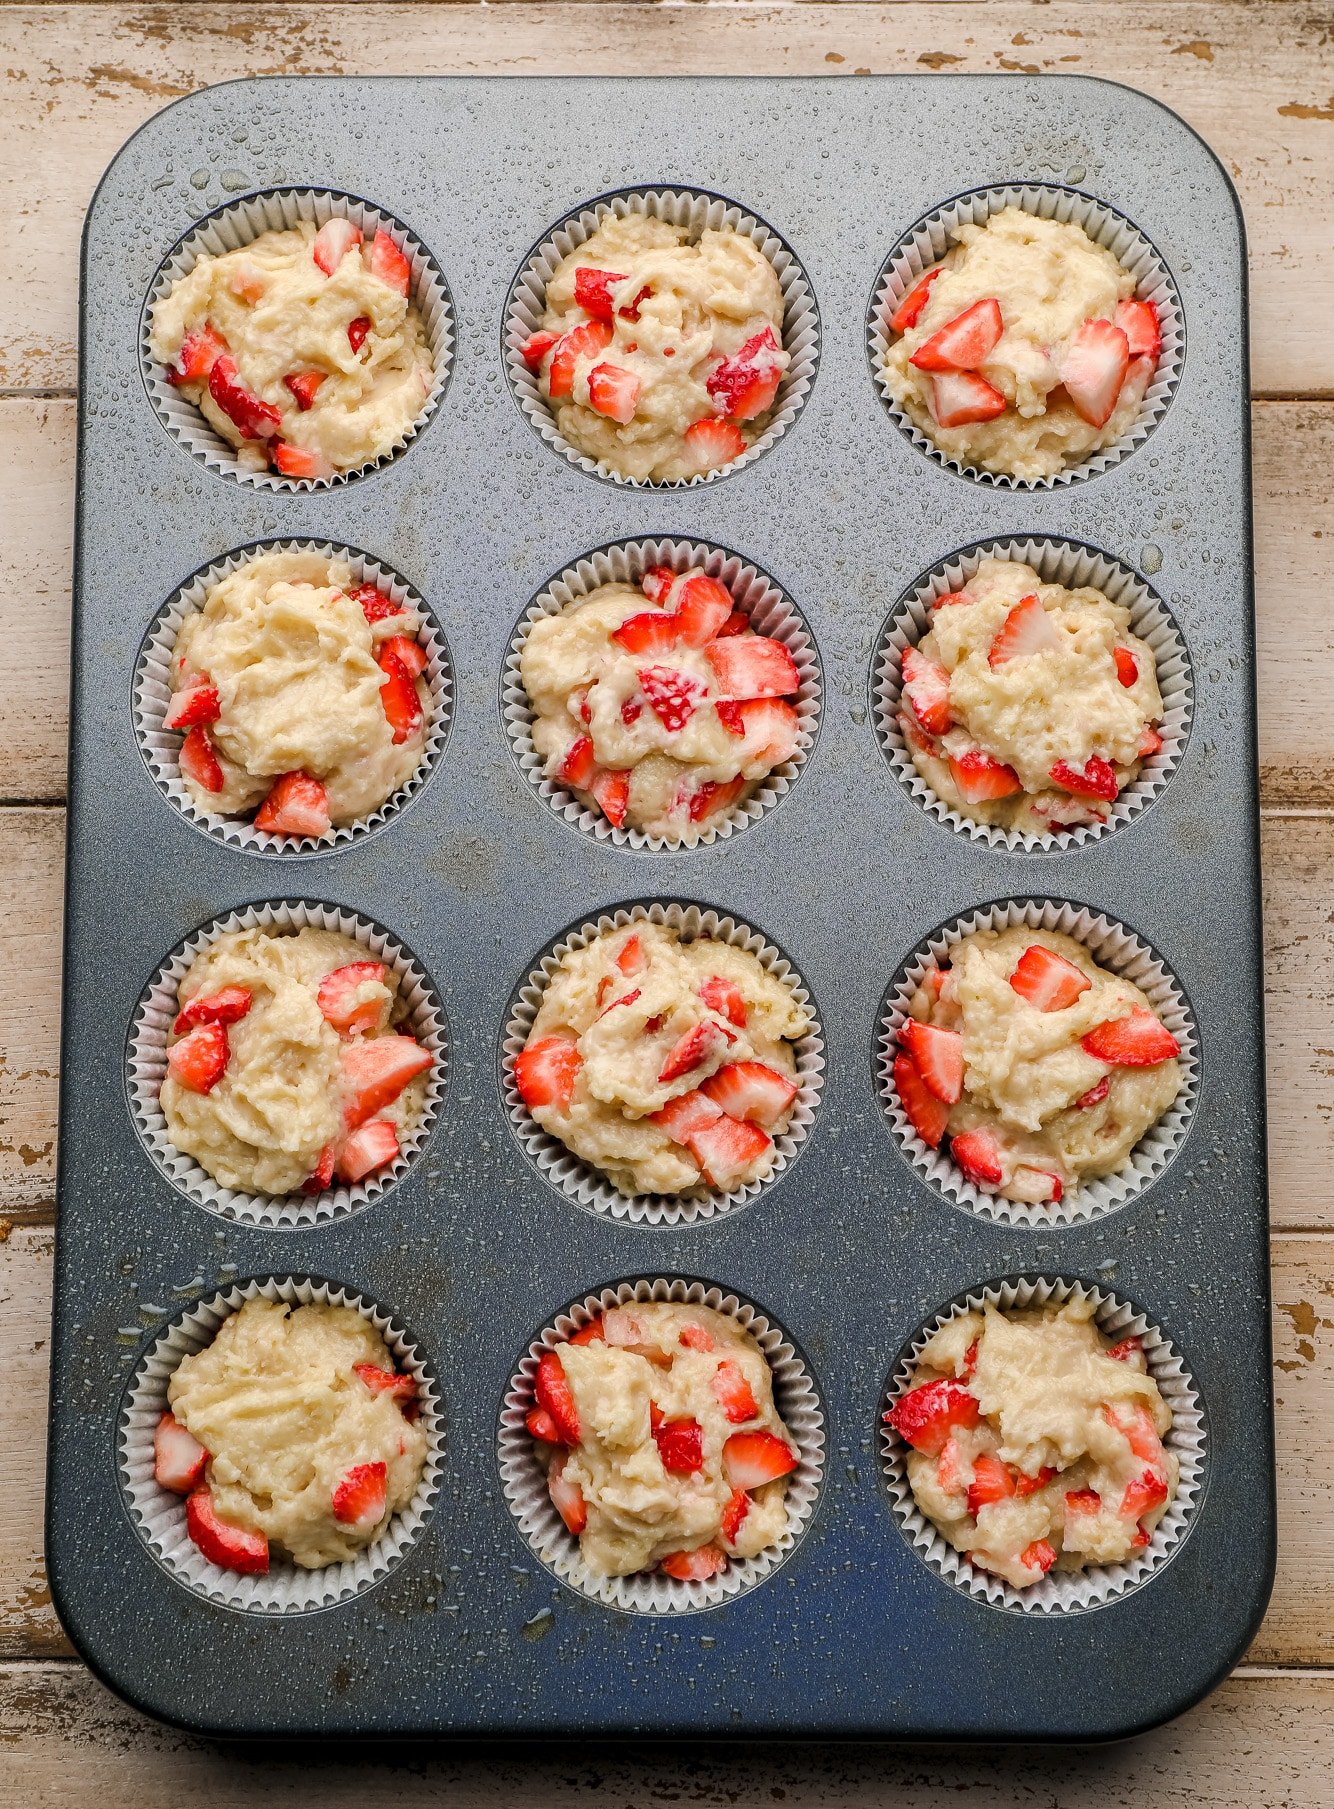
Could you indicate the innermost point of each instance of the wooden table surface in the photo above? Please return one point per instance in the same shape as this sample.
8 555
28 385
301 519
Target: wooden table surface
1255 78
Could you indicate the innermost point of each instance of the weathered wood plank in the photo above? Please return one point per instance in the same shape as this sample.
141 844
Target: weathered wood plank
1252 79
31 869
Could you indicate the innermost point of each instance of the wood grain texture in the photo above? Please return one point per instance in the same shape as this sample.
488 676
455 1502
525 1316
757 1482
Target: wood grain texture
1254 80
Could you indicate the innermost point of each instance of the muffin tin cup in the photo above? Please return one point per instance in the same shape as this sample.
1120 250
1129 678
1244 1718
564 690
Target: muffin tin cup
240 223
146 1065
1119 950
579 1180
697 211
771 613
159 1515
1072 564
161 747
523 1478
927 242
1060 1592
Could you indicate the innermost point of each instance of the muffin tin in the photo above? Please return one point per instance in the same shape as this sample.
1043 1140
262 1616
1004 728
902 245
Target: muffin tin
473 1629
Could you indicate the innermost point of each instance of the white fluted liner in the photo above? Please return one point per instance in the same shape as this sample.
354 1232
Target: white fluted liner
588 1186
146 1066
927 242
1073 565
525 1484
1121 952
770 612
159 1514
698 212
161 747
1060 1591
240 223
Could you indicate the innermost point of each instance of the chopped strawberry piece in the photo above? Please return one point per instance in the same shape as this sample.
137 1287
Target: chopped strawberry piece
724 997
970 1357
734 1393
376 606
712 443
338 1002
1145 1493
402 1388
1150 742
926 1416
333 242
296 805
389 263
612 791
953 1469
653 631
694 1566
1083 1501
1127 666
728 1150
1029 1485
1135 1424
702 608
734 1514
196 704
579 765
672 696
771 729
199 352
949 598
687 1113
1041 1187
584 341
322 1174
545 1072
926 685
1137 1041
591 1333
303 385
657 582
613 391
296 461
927 1112
199 1060
1141 1538
592 290
910 308
958 397
711 796
370 1147
992 1481
938 1057
751 1090
731 716
1047 980
566 1496
535 348
1097 779
178 1458
231 1547
631 311
409 653
916 736
1138 320
1095 1095
978 1155
199 762
630 956
745 384
358 331
752 665
1126 1350
359 1497
1040 1555
981 778
541 1425
551 1388
374 1071
255 419
737 623
1093 370
226 1006
696 1337
963 343
1028 629
398 695
681 1446
700 1044
622 1328
750 1459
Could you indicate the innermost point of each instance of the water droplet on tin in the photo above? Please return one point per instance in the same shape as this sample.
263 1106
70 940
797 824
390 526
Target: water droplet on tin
201 178
1151 558
540 1625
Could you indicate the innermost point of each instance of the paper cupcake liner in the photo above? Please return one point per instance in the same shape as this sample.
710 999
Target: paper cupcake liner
927 242
161 747
240 223
159 1515
579 1180
146 1065
1072 564
1121 952
625 562
698 211
651 1592
1059 1592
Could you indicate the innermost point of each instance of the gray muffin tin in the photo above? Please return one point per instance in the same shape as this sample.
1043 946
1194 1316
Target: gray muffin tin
850 1250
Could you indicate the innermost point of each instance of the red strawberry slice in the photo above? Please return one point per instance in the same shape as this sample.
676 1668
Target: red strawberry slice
375 604
297 805
711 443
389 263
734 1393
926 685
333 242
622 1328
339 1004
953 1468
551 1388
724 997
566 1496
579 765
927 1113
1093 370
991 1482
1028 629
535 348
631 311
702 607
613 391
745 384
1041 1180
1127 666
322 1174
949 598
980 778
1138 320
1150 742
687 1113
696 1337
375 1071
750 1459
734 1514
231 1547
226 1006
584 341
409 653
1127 1349
178 1458
916 736
545 1072
752 665
938 1057
731 716
1135 1424
578 704
1097 779
1083 1501
1137 1041
541 1425
958 397
728 1151
1140 1539
1029 1485
711 796
771 729
1095 1095
612 791
700 1044
398 696
303 385
359 1497
926 1416
737 623
402 1389
196 704
978 1155
199 351
751 1090
255 419
657 582
592 1333
592 290
1047 980
296 461
1040 1556
653 631
357 331
1145 1493
630 956
694 1566
672 696
199 1060
370 1147
963 343
199 762
910 308
680 1446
